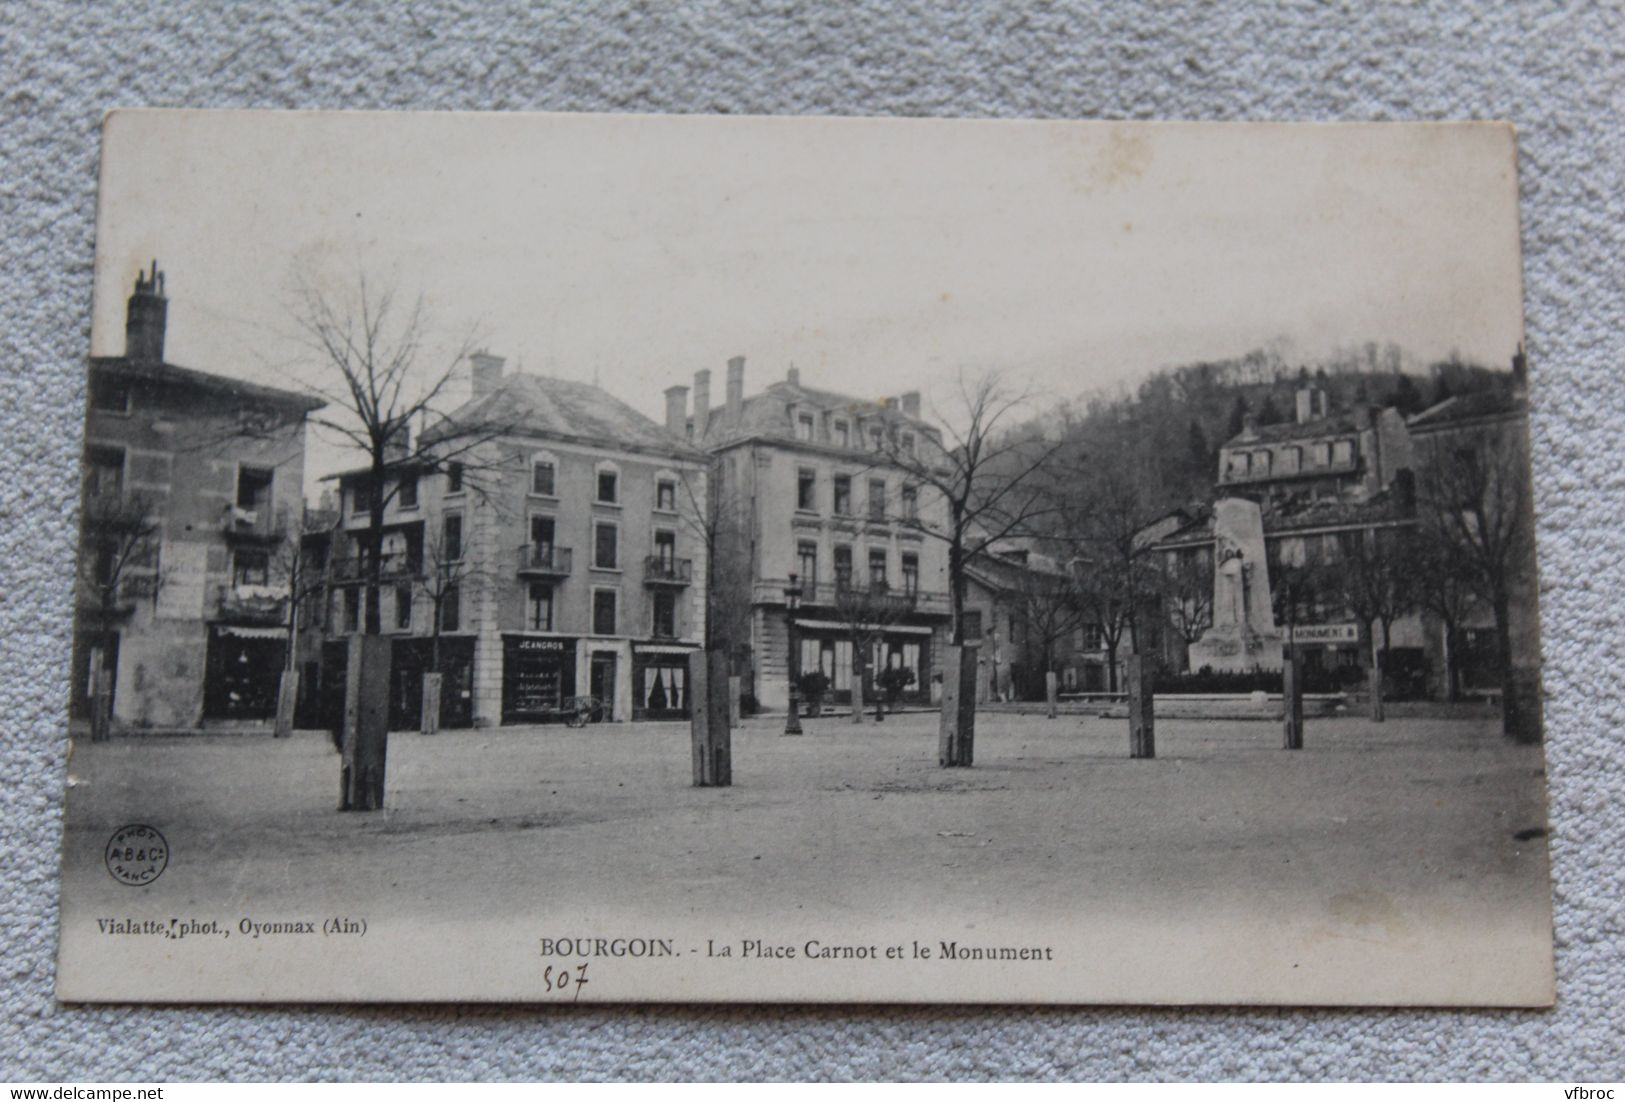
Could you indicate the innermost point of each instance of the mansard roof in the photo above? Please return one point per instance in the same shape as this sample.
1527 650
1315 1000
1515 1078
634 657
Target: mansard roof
565 409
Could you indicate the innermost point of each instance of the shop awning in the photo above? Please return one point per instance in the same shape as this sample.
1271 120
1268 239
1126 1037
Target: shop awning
886 629
243 631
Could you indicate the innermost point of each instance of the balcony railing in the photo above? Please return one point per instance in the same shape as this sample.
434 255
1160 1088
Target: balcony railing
392 565
544 560
264 524
253 604
659 570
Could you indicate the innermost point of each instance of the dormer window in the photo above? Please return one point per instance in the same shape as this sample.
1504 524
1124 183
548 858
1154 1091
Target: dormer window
843 436
908 443
804 426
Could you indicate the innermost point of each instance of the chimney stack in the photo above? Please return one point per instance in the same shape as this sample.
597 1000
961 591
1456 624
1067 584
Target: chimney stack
911 403
145 318
1311 403
735 395
793 376
677 410
485 370
702 402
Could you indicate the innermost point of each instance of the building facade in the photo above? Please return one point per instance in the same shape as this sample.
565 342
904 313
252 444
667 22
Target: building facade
560 557
813 484
193 492
1332 486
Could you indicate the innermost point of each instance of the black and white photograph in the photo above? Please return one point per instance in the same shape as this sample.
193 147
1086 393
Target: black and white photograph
588 558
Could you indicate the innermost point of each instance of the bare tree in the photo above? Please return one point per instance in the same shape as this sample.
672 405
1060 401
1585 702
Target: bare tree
1185 583
1475 501
1377 581
1050 606
989 475
381 373
118 564
1444 588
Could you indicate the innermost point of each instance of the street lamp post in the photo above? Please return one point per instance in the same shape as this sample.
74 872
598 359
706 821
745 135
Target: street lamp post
792 598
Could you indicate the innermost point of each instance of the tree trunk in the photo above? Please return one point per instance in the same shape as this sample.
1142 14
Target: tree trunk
857 686
956 736
366 723
429 721
1292 703
1142 718
1050 692
287 699
101 695
709 736
1513 720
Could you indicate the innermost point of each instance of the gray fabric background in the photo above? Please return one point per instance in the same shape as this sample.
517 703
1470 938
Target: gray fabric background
1556 71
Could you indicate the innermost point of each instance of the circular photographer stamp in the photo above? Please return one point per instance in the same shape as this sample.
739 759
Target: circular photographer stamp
136 854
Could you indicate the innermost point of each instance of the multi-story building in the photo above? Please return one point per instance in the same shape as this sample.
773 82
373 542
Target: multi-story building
192 503
565 554
1321 479
814 484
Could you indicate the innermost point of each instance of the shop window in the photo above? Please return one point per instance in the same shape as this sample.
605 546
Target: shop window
603 611
806 490
540 616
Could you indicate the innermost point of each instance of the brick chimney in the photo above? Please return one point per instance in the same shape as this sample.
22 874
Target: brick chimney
399 445
735 395
793 376
485 372
1311 403
146 316
702 402
677 410
911 403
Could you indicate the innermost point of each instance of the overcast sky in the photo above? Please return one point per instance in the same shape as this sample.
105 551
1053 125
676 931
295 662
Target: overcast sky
876 255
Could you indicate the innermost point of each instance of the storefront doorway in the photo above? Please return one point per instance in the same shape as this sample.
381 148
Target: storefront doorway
602 684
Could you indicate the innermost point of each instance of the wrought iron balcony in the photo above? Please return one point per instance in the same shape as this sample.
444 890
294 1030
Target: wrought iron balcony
264 525
661 571
392 566
253 604
544 560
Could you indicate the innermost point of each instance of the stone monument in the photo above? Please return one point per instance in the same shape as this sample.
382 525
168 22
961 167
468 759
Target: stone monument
1243 636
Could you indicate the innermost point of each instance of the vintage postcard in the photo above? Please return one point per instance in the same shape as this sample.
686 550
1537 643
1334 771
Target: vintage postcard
613 558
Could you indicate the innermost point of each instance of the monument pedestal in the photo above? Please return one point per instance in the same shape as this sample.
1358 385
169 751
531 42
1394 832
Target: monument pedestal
1243 636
